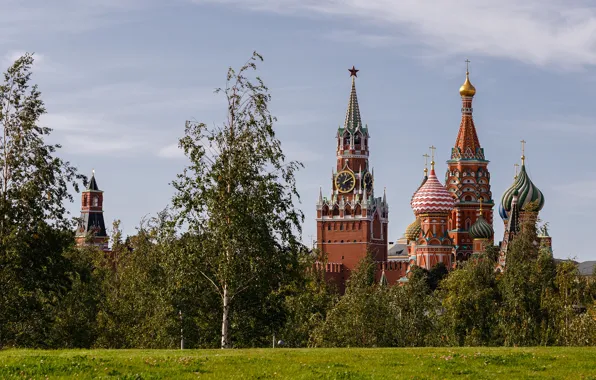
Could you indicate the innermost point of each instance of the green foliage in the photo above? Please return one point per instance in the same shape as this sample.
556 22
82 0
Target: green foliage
367 315
238 194
34 225
470 298
226 266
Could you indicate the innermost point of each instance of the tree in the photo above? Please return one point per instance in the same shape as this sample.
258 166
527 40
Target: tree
470 298
307 305
361 317
34 226
238 193
529 275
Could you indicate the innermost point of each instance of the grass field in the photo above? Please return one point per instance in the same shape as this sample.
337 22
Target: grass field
382 363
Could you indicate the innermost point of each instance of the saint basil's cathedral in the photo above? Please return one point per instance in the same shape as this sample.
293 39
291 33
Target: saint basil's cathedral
452 221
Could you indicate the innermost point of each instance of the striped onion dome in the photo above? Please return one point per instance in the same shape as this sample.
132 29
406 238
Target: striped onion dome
481 229
527 192
432 197
413 230
424 179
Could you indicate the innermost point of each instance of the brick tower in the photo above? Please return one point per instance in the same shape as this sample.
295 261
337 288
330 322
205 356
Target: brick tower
352 221
468 178
432 205
92 229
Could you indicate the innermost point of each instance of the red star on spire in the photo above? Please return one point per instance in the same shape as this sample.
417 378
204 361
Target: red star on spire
353 72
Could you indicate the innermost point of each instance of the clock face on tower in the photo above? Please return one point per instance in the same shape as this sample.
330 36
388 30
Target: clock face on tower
367 181
345 181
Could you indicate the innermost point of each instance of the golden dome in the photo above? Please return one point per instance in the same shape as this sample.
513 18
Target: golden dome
467 89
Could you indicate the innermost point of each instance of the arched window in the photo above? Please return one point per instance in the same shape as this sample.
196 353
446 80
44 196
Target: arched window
95 201
357 140
346 139
468 224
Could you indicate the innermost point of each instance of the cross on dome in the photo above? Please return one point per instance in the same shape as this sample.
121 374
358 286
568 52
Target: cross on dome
426 156
432 162
523 157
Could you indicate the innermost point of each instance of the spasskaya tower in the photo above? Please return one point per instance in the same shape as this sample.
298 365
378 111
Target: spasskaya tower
352 222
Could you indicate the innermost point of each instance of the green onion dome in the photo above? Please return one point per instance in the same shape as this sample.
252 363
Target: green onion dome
413 230
481 229
527 193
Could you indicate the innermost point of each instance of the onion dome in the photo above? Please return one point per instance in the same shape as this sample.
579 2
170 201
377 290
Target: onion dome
467 89
481 229
413 230
432 197
527 192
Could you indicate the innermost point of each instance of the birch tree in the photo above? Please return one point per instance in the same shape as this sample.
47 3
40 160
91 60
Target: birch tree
238 194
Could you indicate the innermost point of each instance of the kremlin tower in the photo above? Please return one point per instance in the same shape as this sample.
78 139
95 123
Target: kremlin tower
352 222
432 205
92 228
468 178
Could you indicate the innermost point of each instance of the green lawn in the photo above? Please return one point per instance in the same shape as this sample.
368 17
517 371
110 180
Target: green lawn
382 363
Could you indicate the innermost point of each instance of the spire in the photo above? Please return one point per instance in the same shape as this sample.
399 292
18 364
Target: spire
467 145
353 120
92 186
320 195
385 195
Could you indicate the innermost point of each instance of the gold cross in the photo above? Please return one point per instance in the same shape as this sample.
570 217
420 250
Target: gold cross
467 63
516 167
480 199
432 162
523 157
426 156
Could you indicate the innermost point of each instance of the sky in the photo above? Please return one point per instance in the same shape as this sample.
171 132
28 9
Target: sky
120 77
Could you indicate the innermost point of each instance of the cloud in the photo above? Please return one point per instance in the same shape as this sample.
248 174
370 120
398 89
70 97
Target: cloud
90 134
101 144
295 151
366 39
64 16
580 190
171 151
565 125
558 33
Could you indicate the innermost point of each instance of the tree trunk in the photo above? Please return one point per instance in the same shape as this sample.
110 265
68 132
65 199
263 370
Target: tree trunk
225 331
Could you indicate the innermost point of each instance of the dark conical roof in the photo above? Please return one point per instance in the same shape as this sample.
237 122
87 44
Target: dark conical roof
92 185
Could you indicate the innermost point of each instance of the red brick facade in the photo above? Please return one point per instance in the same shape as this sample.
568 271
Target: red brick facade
468 179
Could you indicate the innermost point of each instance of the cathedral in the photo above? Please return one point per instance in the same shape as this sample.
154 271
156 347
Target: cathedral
452 221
